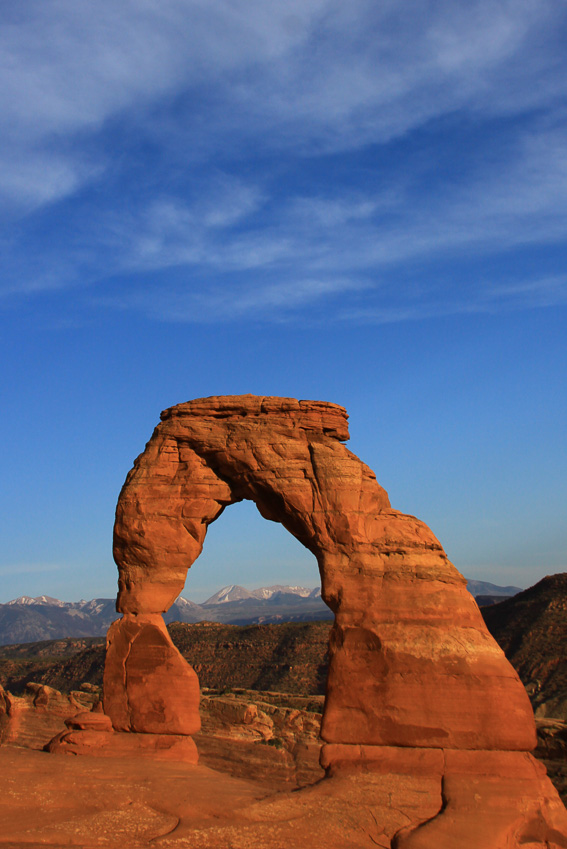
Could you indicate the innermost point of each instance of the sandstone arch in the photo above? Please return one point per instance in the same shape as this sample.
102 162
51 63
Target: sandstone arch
416 684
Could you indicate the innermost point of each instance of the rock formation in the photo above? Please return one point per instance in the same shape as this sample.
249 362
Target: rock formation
249 735
32 719
416 684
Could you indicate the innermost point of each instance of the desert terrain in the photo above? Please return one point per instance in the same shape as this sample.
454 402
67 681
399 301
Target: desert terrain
426 730
258 781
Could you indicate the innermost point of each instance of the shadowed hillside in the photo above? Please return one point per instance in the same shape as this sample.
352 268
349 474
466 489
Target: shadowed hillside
531 627
288 658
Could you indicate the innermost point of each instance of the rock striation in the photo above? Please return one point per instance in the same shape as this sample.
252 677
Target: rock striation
416 684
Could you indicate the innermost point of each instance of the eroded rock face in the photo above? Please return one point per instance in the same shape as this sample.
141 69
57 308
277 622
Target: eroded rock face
148 686
412 665
248 736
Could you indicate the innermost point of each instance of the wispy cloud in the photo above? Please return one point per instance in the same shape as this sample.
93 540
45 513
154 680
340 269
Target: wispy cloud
311 75
276 301
238 251
482 298
355 242
232 98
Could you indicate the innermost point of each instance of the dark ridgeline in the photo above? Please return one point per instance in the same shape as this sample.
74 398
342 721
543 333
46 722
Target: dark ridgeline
531 627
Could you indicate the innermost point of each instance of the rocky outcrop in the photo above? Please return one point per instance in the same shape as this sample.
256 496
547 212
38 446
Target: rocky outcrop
415 680
32 720
148 686
4 714
253 735
531 627
92 734
552 751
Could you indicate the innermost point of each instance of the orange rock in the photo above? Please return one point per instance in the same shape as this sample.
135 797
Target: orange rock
89 721
110 744
31 720
491 800
412 665
4 711
148 686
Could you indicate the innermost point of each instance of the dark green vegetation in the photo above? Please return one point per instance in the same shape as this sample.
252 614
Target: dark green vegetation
289 658
62 664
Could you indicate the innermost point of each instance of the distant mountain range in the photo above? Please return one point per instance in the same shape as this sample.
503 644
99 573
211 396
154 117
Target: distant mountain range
27 619
485 589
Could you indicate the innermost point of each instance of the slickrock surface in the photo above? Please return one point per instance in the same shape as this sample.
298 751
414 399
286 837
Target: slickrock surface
269 736
33 719
141 797
416 684
55 800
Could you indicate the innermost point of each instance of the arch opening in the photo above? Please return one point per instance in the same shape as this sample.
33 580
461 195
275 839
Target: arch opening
414 681
242 547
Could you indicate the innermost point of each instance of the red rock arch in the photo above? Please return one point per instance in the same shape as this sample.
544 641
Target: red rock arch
416 683
412 663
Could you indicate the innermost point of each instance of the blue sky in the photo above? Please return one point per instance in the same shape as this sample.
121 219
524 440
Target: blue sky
362 203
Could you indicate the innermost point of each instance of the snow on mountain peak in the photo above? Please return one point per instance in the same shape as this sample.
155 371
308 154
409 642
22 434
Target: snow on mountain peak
268 592
230 593
40 599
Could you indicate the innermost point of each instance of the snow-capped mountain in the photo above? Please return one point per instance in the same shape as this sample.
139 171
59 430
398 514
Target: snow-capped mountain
27 619
234 592
186 604
227 594
268 592
40 599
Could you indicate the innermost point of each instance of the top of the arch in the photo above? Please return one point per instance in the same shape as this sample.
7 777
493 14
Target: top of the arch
332 419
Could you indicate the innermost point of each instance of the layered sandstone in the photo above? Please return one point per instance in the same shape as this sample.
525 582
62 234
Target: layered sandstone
411 662
148 686
253 735
416 684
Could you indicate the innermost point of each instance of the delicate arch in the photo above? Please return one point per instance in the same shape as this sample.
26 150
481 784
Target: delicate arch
411 661
417 691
